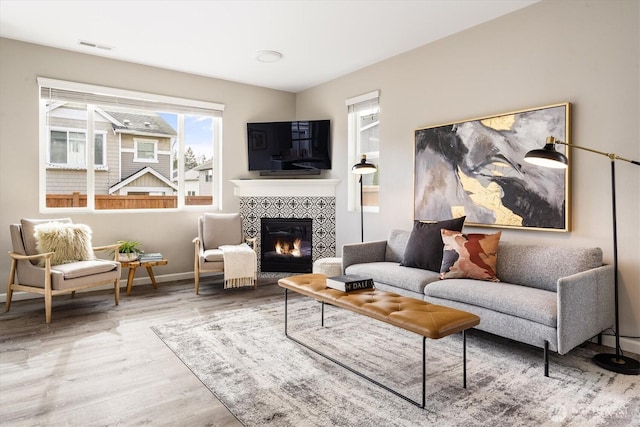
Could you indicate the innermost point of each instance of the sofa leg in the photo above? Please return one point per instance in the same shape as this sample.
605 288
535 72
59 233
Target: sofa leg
546 358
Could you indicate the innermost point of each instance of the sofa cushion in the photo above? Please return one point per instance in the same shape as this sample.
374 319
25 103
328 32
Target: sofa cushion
68 242
78 269
221 229
424 247
213 255
392 273
537 305
84 273
471 256
541 266
396 244
28 233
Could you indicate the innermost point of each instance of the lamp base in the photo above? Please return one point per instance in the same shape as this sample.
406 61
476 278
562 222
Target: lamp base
620 364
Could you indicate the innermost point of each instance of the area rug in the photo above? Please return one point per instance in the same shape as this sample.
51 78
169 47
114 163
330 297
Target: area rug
265 379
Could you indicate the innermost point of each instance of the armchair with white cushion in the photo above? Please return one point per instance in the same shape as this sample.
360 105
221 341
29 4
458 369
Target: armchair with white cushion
54 256
220 247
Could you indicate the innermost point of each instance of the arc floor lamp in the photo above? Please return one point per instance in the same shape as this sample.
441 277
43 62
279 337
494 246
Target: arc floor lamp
363 168
549 157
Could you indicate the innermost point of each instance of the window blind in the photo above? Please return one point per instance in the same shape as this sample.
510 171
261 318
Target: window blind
59 90
363 102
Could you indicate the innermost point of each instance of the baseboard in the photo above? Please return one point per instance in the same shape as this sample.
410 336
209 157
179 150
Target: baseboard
626 344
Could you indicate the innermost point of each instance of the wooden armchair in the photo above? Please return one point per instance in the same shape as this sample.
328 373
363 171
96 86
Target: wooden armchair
215 231
37 273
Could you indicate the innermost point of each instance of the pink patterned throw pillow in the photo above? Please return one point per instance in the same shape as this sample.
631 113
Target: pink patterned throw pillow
471 256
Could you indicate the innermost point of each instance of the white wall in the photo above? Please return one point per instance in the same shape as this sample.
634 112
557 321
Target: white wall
583 52
168 232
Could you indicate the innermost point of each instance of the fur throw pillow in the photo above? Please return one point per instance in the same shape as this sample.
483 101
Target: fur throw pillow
69 242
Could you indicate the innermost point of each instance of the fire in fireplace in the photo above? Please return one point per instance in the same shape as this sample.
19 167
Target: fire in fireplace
286 245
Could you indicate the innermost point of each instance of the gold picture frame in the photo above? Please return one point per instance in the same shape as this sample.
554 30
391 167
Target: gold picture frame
475 168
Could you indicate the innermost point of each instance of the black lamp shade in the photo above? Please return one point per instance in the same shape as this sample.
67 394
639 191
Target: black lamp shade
547 157
363 167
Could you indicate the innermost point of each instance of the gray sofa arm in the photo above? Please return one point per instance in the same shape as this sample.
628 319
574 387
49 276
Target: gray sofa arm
585 306
359 253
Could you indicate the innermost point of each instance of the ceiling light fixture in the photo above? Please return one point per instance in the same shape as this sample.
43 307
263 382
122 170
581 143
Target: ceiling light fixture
268 56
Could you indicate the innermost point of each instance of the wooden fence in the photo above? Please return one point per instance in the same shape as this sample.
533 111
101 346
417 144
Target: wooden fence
77 200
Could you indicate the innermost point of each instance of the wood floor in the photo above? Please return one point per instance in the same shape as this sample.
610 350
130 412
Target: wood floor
97 364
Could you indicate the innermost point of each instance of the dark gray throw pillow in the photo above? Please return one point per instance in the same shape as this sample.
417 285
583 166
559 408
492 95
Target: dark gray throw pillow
424 247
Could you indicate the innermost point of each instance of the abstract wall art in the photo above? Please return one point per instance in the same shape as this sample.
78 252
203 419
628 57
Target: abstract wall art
476 168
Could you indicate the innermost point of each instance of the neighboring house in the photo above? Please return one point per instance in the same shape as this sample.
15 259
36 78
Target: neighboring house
197 181
191 183
132 152
145 182
145 154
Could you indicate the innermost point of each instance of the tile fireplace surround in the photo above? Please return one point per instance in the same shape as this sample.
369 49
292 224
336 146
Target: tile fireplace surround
290 198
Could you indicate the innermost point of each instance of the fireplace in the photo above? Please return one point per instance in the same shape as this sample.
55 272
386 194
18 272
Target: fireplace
286 245
312 199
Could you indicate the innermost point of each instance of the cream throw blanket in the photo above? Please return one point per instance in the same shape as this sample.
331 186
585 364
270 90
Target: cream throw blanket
239 265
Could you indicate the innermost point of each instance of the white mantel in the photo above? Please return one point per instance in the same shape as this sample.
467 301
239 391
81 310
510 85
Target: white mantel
285 187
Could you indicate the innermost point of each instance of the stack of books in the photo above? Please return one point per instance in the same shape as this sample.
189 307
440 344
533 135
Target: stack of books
150 257
349 282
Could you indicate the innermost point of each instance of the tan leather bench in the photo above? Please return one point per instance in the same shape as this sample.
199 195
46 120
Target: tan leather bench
425 319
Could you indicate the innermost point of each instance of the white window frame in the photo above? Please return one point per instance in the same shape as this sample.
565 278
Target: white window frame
102 95
75 166
136 151
354 151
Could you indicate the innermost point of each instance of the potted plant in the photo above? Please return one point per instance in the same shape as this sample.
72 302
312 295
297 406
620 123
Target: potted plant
128 250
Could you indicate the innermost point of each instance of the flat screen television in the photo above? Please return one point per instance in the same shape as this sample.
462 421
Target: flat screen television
289 148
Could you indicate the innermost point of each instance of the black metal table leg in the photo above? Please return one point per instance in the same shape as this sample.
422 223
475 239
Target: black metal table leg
424 375
424 372
286 300
408 399
464 359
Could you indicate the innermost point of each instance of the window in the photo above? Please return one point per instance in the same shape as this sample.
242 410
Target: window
148 151
364 138
67 148
145 150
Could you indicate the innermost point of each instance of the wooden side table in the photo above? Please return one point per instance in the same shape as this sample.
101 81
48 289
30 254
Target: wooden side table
132 265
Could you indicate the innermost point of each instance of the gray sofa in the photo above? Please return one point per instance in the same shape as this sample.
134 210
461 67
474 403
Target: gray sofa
551 297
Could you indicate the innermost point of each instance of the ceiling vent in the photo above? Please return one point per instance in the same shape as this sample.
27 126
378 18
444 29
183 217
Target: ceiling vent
95 45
